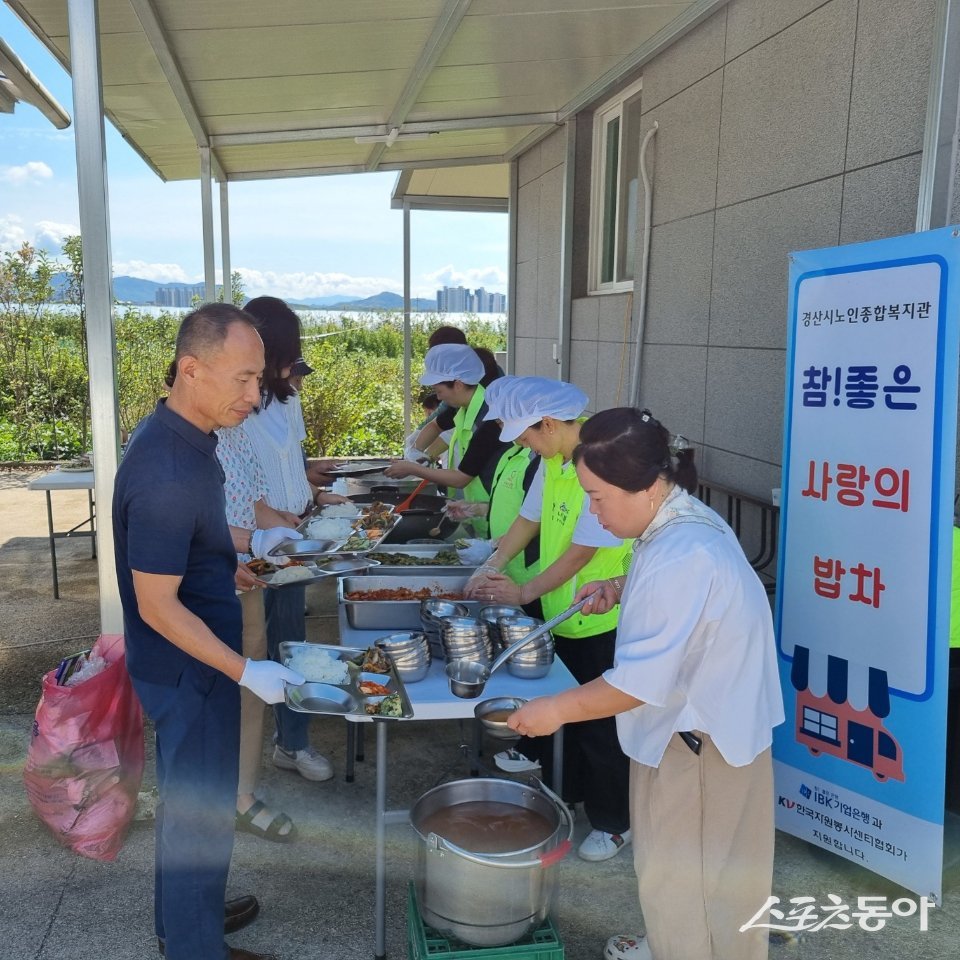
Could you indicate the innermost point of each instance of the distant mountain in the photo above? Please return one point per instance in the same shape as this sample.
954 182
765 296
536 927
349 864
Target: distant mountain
328 301
384 301
125 289
136 290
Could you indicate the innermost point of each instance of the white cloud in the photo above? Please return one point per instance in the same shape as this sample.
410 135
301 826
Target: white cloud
490 278
31 172
297 286
12 234
158 272
49 235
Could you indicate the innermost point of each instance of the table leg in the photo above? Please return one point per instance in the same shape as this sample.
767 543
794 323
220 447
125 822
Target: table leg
477 748
380 906
93 527
53 547
558 761
351 747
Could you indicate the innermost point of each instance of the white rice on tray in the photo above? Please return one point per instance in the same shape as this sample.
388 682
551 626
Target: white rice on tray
291 574
319 666
329 528
334 510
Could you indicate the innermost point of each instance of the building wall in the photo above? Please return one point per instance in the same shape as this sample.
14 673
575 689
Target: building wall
539 206
783 125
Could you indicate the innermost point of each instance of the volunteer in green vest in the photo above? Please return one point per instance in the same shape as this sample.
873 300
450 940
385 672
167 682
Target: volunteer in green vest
455 372
511 480
542 415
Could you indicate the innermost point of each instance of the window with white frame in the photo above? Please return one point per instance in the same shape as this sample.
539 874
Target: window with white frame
615 180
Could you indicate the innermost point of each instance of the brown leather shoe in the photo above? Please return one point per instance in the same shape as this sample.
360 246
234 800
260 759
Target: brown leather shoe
237 954
240 912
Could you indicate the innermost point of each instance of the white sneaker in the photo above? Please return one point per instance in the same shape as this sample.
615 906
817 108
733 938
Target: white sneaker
624 947
307 762
598 845
513 761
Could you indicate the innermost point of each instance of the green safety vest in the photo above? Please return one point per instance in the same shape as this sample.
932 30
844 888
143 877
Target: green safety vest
563 501
955 592
464 421
506 498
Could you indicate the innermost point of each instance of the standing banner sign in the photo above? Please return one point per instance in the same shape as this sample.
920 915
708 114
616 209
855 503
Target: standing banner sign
863 598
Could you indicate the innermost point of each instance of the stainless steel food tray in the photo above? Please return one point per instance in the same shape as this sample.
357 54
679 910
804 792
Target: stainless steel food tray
422 551
358 468
343 700
394 615
317 514
319 571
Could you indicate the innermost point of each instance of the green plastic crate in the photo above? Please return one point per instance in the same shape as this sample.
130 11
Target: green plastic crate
425 943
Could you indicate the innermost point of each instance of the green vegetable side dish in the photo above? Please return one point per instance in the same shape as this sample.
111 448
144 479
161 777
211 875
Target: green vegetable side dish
387 707
445 558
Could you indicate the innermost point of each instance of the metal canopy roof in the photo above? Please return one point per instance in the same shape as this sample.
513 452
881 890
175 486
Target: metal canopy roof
484 188
288 88
18 84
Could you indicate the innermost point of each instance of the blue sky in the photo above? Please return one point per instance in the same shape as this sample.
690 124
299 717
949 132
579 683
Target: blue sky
292 238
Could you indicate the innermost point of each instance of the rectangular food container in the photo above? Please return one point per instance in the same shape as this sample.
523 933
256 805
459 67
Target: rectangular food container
394 615
423 553
341 699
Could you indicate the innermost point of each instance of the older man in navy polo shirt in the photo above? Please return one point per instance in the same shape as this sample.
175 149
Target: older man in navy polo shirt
176 564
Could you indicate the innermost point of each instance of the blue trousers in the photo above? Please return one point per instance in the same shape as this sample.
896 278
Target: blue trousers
198 741
285 611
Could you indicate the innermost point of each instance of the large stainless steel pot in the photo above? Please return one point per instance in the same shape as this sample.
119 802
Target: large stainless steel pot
489 899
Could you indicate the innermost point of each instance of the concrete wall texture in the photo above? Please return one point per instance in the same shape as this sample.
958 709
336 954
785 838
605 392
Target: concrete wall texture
783 125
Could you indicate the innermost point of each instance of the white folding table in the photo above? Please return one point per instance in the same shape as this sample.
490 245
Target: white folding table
67 480
431 699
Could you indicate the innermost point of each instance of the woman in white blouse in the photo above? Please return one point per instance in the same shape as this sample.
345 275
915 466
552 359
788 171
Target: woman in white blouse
695 691
276 432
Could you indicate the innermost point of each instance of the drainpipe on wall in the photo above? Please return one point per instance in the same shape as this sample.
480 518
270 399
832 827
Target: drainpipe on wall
562 352
938 165
644 266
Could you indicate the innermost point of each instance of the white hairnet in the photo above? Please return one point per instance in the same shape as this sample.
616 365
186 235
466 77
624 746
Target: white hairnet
452 361
520 402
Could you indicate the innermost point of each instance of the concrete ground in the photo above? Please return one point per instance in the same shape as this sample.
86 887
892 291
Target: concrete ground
316 893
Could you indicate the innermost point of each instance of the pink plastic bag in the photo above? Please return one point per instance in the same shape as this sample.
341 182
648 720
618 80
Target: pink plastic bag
85 759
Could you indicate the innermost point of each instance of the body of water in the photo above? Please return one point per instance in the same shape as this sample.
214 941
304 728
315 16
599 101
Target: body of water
313 316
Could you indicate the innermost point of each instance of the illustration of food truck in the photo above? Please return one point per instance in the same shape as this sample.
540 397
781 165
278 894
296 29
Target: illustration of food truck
831 724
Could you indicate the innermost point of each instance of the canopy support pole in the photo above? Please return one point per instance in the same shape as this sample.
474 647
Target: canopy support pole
407 345
97 289
512 227
206 213
225 242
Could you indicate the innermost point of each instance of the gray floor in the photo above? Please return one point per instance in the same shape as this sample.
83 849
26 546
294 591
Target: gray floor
317 893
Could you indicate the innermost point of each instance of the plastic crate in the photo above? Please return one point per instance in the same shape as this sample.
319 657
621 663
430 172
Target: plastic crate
425 943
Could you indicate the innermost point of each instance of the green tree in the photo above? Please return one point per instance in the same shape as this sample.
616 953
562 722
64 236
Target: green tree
25 286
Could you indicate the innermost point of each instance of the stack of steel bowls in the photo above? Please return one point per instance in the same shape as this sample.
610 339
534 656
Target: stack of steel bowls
431 613
533 660
410 653
490 615
465 638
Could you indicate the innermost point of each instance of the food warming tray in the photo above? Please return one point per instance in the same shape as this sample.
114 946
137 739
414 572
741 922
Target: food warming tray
394 615
346 699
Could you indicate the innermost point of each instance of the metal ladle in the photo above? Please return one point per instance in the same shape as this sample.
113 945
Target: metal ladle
469 677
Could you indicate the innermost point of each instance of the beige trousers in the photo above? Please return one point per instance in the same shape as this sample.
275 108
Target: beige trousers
252 708
703 851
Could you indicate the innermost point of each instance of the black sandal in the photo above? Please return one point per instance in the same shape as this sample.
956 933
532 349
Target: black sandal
244 823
